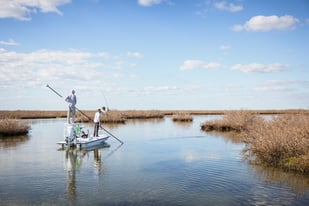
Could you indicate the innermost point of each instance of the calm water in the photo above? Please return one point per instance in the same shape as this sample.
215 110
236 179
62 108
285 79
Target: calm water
161 163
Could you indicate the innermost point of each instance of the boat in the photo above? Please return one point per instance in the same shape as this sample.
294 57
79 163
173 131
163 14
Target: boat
75 136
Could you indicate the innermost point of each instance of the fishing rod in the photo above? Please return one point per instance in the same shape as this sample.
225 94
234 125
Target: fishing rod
105 99
84 114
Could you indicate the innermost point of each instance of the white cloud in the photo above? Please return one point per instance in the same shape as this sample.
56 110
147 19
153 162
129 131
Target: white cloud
166 90
134 54
22 9
117 75
67 57
237 27
224 47
151 89
103 55
19 69
194 64
267 23
119 64
10 42
134 76
149 2
283 85
224 6
259 68
30 69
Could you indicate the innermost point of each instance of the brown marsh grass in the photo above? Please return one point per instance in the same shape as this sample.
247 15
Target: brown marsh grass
118 116
232 121
142 114
13 127
131 114
29 114
182 117
281 142
113 117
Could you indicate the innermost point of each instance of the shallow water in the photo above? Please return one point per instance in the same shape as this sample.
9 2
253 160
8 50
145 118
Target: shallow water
161 163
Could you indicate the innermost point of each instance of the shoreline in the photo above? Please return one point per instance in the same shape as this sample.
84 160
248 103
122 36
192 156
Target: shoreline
47 114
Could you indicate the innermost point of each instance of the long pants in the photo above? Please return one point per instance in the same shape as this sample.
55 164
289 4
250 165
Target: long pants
71 113
96 129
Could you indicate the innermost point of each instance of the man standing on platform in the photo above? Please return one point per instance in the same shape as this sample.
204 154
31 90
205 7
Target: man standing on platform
71 99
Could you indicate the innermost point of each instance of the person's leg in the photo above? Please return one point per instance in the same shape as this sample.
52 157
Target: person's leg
94 129
68 114
97 131
73 114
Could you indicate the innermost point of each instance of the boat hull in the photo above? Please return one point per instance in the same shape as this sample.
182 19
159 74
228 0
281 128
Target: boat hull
85 143
91 142
75 136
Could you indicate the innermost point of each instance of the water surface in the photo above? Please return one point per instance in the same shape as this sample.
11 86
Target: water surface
161 163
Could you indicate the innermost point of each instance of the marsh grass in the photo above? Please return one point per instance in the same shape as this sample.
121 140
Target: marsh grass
142 114
232 121
119 116
108 117
281 142
28 114
130 114
13 127
113 117
182 117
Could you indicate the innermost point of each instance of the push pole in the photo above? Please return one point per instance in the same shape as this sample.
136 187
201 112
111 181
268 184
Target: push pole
53 90
84 114
111 135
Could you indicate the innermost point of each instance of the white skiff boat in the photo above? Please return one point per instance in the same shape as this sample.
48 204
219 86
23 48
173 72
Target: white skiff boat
75 136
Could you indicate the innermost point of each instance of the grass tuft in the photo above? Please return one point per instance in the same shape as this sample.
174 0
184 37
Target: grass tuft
282 142
232 121
13 127
182 117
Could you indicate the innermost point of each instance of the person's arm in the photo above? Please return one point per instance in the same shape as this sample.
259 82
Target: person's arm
67 99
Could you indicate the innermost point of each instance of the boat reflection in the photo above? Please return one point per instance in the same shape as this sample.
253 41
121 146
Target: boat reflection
73 162
74 159
71 165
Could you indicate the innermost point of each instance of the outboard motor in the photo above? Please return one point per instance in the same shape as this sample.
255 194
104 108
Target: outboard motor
70 133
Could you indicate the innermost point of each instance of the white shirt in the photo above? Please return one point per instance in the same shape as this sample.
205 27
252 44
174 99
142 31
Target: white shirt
71 99
97 117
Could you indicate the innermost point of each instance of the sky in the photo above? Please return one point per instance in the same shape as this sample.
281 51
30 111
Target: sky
154 54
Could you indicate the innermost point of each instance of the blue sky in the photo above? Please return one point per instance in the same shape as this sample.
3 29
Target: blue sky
155 54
